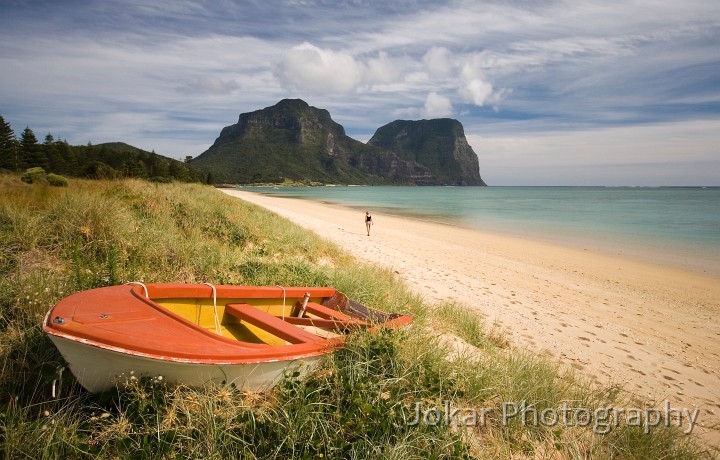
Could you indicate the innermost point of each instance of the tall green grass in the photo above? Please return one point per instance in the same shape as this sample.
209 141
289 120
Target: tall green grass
360 402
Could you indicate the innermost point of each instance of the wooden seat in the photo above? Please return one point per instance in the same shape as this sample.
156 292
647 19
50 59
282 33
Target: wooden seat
270 323
327 313
327 323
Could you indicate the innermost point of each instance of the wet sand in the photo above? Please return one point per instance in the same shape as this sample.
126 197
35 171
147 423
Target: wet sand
651 328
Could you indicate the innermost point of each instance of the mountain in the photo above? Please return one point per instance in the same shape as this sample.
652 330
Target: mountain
294 141
438 144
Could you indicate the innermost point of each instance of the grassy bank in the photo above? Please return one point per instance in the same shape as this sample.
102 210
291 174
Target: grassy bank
361 403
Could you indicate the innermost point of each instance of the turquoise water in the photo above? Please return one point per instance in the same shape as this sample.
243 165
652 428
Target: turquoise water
681 225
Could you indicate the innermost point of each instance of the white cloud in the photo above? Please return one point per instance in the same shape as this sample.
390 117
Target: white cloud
439 61
476 91
310 68
307 67
437 106
384 69
474 86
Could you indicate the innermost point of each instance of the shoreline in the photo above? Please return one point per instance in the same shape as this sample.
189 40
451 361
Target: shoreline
670 256
649 327
652 248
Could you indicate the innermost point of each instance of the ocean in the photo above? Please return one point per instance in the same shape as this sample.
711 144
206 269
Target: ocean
679 226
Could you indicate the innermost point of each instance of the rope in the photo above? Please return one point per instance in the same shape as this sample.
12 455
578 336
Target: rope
283 307
217 321
55 381
140 284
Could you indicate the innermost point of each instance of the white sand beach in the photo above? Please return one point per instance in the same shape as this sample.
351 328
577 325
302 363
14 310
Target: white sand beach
653 329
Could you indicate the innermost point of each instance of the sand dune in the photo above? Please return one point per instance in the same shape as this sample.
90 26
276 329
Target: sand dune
654 329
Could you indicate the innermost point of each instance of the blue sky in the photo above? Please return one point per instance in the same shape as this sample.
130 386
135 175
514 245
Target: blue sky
576 92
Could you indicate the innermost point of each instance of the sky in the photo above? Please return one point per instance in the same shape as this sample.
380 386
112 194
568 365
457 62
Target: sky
550 92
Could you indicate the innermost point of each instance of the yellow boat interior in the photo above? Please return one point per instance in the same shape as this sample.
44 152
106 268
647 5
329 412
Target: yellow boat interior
251 320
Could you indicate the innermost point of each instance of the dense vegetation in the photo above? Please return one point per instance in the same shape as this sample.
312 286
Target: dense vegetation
108 160
266 156
358 404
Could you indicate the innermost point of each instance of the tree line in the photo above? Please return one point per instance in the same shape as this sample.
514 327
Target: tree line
104 161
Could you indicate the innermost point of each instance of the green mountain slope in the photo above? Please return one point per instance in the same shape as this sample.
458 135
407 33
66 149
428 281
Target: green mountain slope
294 141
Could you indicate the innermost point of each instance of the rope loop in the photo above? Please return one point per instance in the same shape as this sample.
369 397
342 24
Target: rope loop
138 283
217 321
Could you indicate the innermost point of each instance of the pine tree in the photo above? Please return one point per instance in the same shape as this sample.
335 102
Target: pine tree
53 154
8 147
29 150
28 139
68 161
179 171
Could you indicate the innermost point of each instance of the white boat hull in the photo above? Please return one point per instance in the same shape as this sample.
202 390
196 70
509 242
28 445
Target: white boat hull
99 369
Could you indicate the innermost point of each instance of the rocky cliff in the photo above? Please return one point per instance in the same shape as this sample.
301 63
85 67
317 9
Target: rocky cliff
439 145
294 141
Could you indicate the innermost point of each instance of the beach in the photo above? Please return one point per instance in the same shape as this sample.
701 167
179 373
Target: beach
648 327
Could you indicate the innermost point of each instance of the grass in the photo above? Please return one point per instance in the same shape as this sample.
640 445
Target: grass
359 403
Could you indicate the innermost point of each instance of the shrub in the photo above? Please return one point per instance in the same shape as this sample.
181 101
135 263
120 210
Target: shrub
99 170
32 175
57 180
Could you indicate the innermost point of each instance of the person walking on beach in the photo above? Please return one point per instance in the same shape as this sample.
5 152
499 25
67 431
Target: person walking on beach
368 221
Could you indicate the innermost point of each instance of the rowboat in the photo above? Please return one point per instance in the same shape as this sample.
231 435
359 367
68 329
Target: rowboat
201 333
